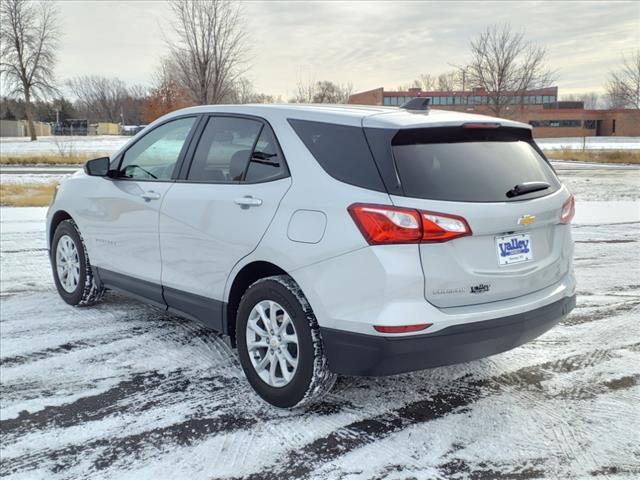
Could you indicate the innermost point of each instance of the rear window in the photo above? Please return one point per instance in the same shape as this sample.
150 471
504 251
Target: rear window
470 170
342 151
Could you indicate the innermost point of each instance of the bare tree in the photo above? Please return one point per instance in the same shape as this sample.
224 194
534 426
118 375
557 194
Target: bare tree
132 109
210 50
451 81
403 87
506 65
242 91
323 91
329 92
100 98
425 82
166 94
623 85
589 99
28 38
305 91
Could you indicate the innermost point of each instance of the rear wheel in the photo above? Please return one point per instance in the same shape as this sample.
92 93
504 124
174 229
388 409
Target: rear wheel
71 268
279 344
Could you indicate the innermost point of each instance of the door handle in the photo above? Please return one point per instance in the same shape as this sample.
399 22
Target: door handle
151 195
248 201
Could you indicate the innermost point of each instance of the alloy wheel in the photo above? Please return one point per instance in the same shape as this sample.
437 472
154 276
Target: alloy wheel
67 263
272 343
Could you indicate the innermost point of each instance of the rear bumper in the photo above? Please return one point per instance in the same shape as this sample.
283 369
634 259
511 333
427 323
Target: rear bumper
351 353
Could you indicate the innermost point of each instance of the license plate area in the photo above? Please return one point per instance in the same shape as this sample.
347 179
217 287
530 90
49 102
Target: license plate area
514 249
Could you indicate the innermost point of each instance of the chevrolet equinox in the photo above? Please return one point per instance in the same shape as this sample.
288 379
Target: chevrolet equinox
326 240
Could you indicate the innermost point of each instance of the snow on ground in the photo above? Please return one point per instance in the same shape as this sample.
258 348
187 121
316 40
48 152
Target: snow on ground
35 174
590 143
123 390
108 144
98 144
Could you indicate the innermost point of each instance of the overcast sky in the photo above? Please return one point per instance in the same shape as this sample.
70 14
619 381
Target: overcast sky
367 44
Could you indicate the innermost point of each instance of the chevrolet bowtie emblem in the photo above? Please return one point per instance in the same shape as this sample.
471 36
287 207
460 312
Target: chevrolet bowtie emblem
526 220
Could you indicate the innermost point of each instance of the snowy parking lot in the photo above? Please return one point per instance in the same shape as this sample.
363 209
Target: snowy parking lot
126 391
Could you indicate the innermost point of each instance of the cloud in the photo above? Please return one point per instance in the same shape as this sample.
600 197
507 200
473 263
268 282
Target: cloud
367 44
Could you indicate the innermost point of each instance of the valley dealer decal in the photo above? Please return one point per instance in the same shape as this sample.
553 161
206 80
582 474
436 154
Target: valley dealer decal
513 247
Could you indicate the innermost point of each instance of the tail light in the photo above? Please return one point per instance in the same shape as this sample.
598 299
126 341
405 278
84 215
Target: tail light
568 210
383 225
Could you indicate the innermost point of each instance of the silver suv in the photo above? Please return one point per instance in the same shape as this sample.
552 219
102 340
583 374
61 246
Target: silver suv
326 240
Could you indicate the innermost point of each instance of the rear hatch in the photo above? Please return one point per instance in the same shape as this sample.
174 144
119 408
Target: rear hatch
517 243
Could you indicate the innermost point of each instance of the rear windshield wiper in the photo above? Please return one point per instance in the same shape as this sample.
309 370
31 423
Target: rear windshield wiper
527 187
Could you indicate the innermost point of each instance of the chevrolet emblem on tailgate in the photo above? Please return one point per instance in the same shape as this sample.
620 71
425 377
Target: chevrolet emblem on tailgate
526 220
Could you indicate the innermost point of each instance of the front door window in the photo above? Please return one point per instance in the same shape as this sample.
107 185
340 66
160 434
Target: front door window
155 155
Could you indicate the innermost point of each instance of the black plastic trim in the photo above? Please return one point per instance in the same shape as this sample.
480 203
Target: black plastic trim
351 353
379 141
140 289
208 311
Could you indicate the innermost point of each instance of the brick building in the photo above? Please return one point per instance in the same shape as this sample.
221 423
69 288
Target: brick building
539 108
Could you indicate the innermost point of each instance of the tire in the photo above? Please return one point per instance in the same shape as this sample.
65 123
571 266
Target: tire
311 379
80 291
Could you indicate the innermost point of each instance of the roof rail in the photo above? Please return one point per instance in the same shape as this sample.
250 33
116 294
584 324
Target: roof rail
417 103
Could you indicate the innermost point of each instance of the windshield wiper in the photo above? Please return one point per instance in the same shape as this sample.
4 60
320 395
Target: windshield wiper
527 187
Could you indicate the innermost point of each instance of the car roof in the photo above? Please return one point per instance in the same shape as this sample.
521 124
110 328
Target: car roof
356 115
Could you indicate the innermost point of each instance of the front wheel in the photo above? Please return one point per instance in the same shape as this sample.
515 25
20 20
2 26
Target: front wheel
279 344
71 268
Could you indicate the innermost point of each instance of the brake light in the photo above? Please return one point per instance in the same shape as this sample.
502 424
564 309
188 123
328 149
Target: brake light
568 210
481 125
383 225
402 328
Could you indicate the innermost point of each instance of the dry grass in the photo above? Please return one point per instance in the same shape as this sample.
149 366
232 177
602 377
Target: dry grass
595 156
52 159
26 194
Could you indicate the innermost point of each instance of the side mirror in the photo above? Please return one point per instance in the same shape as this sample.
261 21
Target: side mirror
98 167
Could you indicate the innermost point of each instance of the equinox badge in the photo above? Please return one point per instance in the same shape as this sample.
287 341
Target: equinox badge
526 220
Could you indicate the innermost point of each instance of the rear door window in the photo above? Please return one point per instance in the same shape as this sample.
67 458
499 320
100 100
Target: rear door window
224 150
479 170
266 161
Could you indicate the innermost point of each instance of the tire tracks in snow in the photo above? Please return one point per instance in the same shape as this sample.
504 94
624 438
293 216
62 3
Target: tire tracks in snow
301 462
158 331
142 393
155 389
601 312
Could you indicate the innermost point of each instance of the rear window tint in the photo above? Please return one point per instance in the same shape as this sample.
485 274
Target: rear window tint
342 151
471 171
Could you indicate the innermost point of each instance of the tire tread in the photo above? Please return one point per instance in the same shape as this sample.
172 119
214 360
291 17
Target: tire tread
322 379
92 291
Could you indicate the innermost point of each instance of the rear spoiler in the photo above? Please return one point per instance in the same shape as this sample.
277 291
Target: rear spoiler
467 132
